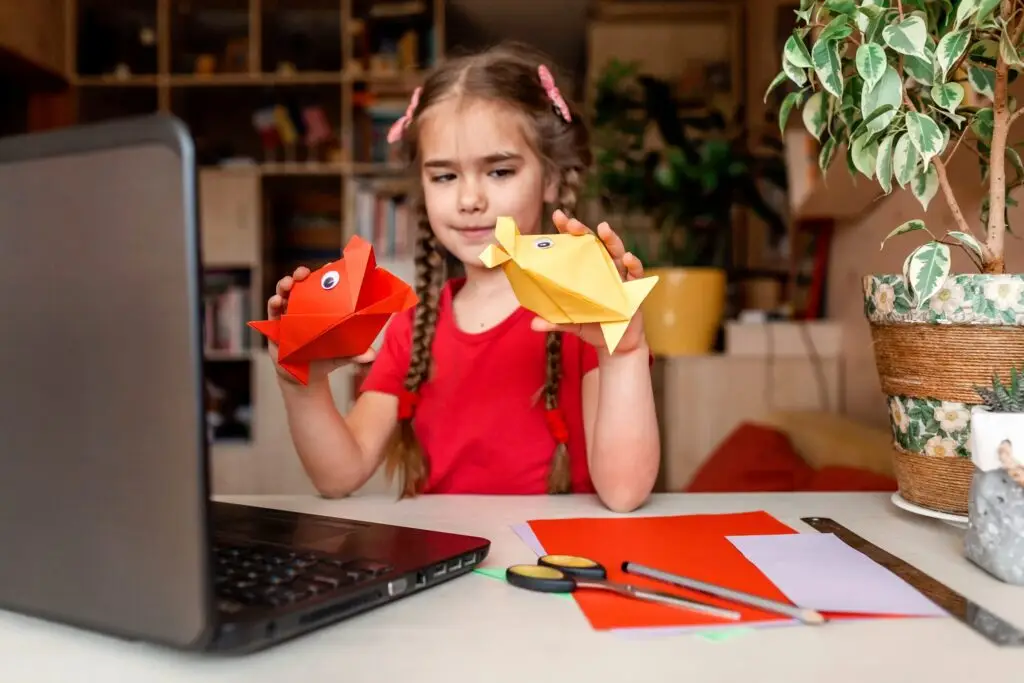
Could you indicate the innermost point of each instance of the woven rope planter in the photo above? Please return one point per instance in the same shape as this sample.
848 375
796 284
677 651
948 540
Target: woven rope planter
929 359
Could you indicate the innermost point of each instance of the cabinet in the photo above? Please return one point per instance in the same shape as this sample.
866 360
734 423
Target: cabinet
288 102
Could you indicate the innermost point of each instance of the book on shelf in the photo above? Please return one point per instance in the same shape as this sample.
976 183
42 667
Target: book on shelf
227 310
385 220
371 134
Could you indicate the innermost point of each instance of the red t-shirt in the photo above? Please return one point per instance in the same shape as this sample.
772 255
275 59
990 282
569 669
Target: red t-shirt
480 417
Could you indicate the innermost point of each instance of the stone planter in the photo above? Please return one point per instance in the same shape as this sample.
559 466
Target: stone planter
995 534
929 358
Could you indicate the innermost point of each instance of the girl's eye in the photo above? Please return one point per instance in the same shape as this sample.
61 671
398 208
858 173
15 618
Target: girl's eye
442 178
503 172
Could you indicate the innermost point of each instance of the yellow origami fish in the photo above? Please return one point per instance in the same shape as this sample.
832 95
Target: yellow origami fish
567 279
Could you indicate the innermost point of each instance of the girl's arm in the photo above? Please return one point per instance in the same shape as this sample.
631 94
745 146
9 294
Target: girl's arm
339 453
620 419
623 442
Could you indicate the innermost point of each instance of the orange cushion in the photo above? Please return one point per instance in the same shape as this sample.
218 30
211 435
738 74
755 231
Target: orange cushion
838 478
753 458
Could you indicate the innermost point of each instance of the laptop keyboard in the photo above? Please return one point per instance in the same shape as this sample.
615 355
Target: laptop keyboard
272 577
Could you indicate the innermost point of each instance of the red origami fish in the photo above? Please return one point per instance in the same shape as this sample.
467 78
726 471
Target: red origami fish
337 311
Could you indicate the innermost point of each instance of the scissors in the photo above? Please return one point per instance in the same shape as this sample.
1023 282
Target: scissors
566 573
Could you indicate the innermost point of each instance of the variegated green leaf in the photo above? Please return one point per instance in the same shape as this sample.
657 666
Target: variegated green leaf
776 82
955 118
984 124
786 107
964 11
879 111
1008 51
827 66
837 29
888 90
922 69
871 63
928 270
828 150
907 37
796 52
985 50
841 6
948 96
985 11
906 269
868 10
865 153
968 241
925 184
848 158
951 48
983 81
904 159
883 163
924 134
815 115
795 74
909 226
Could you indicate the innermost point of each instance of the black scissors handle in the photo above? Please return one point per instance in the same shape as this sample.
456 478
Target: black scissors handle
573 565
540 578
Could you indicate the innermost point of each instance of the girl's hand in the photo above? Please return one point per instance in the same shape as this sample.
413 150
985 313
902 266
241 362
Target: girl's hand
629 267
276 307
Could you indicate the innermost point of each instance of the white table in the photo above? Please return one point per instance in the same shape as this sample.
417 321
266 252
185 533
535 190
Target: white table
477 628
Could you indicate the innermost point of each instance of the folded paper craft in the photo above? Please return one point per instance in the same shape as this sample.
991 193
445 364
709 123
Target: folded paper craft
337 311
567 279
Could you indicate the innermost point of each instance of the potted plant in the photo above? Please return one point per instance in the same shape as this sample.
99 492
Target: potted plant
685 173
897 87
994 539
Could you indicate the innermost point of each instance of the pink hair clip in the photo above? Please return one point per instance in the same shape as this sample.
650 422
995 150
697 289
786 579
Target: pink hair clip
399 126
548 81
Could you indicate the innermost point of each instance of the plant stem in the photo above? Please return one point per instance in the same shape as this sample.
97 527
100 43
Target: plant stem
947 192
994 263
947 189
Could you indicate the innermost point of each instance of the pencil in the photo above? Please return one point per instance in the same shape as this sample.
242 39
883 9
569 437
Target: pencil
807 616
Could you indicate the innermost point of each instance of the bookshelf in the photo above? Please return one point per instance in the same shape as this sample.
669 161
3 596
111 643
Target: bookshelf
288 102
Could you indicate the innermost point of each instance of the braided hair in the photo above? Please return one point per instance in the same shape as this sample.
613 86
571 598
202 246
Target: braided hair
509 73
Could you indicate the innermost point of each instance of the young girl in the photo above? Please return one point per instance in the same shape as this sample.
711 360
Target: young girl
470 393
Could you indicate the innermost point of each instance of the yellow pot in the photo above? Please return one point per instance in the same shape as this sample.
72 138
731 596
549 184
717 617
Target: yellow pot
684 310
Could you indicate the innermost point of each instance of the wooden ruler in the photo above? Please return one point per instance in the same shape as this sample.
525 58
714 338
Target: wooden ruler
993 627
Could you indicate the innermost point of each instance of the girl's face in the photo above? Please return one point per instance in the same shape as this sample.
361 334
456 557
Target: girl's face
477 166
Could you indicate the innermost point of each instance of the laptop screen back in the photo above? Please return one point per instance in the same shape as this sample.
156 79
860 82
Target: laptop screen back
102 474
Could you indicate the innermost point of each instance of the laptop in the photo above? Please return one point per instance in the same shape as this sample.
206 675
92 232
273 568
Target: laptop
106 521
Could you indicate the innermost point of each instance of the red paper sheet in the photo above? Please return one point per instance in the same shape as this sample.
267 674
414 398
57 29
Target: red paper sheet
691 545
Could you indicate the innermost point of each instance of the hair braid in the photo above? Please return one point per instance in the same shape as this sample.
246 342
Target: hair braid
560 475
406 454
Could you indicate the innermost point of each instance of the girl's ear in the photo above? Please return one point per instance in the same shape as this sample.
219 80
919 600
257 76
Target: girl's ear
551 188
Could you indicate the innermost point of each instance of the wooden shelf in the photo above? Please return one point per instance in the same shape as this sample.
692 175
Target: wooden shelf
221 66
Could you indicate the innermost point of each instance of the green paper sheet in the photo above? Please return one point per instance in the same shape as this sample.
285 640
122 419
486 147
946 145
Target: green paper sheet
724 634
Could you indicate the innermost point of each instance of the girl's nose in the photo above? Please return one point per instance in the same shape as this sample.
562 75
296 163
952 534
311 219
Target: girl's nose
471 197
